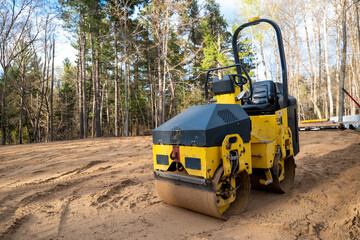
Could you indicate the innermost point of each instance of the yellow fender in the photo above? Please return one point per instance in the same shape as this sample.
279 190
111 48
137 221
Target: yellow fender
284 140
233 143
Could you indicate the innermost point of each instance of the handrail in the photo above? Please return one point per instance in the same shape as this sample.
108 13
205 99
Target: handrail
281 51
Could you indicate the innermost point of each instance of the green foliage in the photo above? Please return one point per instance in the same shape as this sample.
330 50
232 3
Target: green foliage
216 37
213 55
65 103
196 39
217 41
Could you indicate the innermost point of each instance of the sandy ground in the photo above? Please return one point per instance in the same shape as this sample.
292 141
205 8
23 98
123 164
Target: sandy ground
104 189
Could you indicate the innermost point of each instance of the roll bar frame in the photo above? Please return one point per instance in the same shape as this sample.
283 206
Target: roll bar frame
281 51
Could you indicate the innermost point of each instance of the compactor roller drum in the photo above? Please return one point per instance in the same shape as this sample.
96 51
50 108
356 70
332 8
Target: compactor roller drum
211 203
207 158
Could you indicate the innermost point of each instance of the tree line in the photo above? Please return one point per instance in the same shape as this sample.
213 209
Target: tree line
141 62
138 64
322 44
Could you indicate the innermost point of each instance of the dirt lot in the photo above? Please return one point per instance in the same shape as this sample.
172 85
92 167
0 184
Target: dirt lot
104 189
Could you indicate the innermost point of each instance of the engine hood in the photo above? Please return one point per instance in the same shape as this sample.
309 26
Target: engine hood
204 126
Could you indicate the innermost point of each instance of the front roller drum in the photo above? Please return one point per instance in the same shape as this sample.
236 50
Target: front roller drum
207 202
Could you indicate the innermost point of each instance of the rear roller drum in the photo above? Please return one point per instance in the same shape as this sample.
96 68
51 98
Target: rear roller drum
231 196
282 181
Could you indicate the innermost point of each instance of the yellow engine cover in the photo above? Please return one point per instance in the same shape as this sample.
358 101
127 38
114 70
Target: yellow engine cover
197 161
270 133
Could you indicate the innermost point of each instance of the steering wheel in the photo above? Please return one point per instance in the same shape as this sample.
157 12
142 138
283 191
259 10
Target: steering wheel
241 79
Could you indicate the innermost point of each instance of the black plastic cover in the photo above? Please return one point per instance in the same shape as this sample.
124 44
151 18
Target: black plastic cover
223 86
204 126
279 92
293 123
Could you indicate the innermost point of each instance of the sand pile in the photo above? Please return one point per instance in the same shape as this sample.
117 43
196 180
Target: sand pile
104 189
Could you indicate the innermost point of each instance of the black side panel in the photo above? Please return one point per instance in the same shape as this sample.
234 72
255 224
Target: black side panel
193 163
162 159
280 95
293 124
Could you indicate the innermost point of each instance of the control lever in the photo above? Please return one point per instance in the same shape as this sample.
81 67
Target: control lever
240 96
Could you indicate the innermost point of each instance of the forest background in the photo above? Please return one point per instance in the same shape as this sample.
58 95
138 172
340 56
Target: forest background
141 62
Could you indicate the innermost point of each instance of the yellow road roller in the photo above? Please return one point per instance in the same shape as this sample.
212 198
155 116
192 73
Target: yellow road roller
208 157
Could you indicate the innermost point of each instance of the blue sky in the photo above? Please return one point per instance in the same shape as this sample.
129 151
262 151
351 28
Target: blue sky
228 9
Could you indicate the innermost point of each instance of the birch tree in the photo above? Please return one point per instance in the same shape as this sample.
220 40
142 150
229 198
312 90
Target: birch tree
16 24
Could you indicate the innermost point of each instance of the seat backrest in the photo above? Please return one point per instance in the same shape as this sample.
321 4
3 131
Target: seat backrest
264 92
280 96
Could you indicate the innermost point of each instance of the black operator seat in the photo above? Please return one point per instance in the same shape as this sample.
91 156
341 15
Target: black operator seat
264 99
